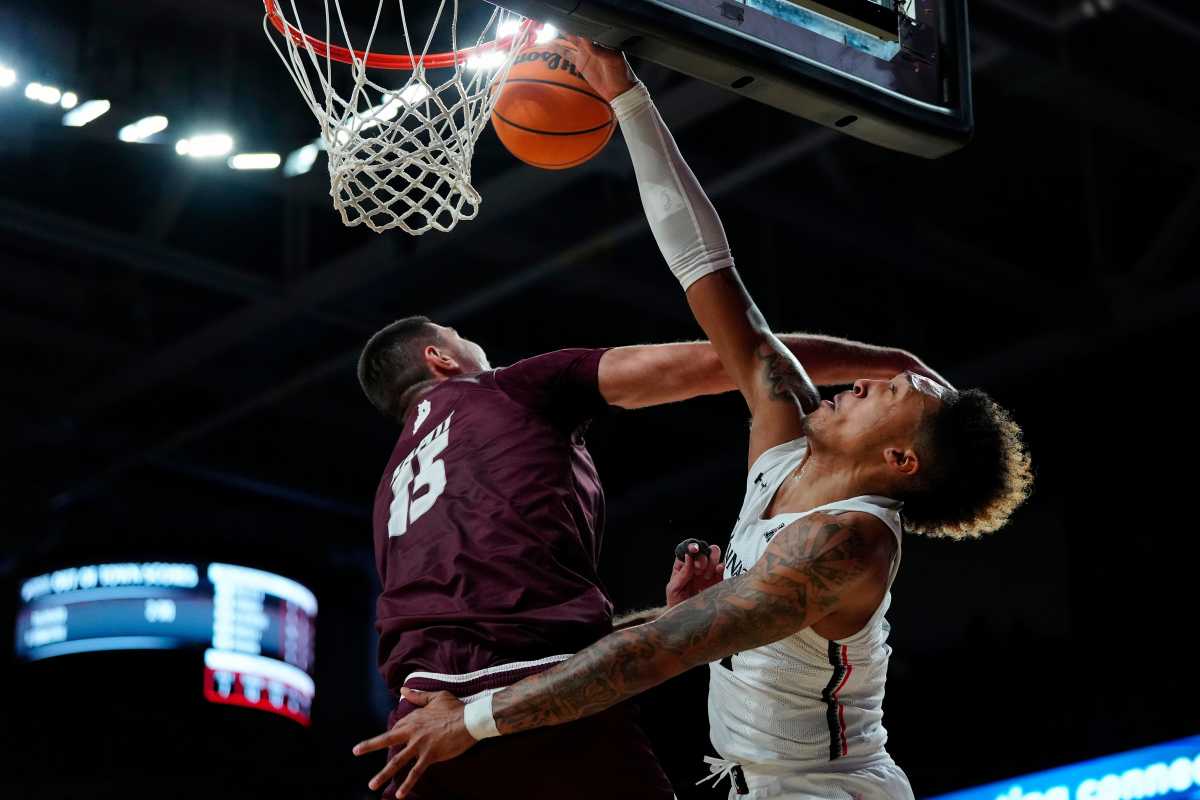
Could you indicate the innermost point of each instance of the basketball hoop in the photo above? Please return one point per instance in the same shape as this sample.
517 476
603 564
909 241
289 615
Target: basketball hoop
400 157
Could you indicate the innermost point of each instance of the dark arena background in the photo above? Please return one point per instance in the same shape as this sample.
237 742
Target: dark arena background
178 389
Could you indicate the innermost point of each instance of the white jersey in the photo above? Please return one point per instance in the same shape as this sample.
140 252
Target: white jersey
804 703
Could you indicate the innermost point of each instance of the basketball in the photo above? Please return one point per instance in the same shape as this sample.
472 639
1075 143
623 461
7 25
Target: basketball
547 115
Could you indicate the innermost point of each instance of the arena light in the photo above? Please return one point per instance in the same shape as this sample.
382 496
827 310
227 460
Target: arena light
82 115
69 100
496 58
301 160
489 60
254 161
508 27
205 145
8 76
143 129
1170 771
50 95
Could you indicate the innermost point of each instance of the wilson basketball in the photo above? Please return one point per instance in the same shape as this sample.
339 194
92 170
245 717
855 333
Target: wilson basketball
547 115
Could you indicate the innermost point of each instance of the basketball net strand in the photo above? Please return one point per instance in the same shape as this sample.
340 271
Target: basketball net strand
399 157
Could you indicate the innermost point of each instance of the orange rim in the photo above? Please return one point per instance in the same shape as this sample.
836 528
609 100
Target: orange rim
384 60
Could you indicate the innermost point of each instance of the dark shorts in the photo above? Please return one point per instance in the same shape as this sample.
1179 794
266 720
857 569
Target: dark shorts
602 756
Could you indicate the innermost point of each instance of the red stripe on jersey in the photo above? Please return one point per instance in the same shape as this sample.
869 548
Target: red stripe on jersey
841 708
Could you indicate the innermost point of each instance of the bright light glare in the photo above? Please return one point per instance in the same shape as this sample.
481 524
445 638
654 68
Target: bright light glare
69 100
205 145
386 111
254 161
513 24
488 60
49 95
301 160
143 129
90 110
508 27
413 94
8 76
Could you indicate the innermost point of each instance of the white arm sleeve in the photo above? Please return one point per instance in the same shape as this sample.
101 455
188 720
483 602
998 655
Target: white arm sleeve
682 218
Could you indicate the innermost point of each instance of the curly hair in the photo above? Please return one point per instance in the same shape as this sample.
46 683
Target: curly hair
979 471
391 363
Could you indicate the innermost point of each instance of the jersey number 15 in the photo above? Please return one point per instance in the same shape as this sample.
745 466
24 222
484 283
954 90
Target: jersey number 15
408 500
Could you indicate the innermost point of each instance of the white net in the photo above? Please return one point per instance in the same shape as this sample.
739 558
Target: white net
400 155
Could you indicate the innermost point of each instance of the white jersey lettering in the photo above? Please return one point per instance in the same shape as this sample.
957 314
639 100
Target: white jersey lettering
409 502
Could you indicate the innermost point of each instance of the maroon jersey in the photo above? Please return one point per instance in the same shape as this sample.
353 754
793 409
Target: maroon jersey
488 522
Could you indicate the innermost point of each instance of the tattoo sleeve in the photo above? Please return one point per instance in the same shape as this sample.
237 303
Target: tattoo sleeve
784 376
800 579
628 620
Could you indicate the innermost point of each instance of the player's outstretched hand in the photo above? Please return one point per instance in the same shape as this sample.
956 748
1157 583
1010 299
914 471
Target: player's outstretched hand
435 732
605 70
694 573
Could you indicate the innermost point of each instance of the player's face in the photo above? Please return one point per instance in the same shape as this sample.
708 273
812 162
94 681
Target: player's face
467 353
875 414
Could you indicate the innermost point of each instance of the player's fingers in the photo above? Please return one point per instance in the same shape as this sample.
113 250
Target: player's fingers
410 780
415 696
564 44
380 742
394 765
681 577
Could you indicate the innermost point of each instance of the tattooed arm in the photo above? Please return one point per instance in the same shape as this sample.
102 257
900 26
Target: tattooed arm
812 568
775 385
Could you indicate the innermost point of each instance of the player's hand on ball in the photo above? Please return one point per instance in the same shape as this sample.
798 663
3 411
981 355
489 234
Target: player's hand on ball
605 70
435 732
694 573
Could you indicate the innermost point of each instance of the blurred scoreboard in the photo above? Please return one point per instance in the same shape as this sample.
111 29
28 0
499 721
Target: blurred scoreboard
256 628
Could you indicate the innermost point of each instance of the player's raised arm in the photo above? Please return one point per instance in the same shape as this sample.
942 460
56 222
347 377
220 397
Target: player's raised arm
692 240
638 376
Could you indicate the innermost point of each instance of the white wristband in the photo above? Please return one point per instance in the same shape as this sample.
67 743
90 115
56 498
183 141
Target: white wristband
477 715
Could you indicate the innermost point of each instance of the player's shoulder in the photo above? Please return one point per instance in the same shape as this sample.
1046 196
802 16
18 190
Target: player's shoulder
857 535
552 362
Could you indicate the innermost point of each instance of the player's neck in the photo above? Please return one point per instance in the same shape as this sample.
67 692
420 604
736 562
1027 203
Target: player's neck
824 478
414 393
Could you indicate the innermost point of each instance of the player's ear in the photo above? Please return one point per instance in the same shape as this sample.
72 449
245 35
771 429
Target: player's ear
440 362
904 461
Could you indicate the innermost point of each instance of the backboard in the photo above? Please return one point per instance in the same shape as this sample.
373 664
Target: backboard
896 73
